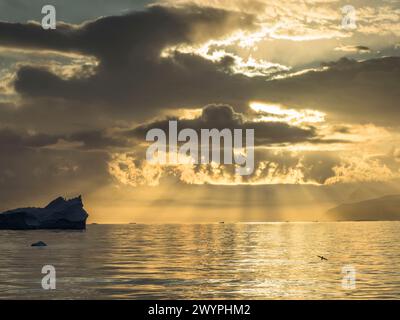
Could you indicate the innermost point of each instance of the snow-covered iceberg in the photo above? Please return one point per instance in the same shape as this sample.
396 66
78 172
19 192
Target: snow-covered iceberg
58 214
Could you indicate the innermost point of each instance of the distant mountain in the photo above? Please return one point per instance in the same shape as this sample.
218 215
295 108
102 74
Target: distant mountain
385 208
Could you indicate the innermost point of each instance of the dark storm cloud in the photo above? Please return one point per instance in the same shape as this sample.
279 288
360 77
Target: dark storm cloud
98 140
131 73
348 90
11 139
132 81
32 174
86 140
363 48
223 116
138 34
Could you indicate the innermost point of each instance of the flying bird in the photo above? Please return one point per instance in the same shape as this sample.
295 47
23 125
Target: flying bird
322 258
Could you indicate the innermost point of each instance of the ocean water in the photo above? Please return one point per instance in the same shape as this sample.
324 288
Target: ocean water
205 261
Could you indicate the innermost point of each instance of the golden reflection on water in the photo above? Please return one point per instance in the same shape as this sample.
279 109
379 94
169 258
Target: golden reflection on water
205 261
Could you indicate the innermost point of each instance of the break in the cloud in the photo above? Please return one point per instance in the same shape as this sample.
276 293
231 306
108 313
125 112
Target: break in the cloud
223 116
285 153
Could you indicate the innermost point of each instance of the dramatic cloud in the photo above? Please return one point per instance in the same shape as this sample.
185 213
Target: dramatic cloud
224 117
36 174
361 49
278 158
10 139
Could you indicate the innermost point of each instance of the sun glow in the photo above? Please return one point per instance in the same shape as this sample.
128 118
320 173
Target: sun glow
277 113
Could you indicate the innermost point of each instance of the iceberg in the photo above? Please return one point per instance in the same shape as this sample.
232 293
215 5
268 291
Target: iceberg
58 214
379 209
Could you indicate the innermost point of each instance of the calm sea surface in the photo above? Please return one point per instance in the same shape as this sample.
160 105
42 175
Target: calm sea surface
208 261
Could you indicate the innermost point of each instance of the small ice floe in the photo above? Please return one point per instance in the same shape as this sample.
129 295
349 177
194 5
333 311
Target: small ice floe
38 244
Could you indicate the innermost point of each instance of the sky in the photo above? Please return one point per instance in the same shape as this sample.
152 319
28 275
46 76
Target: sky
322 97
